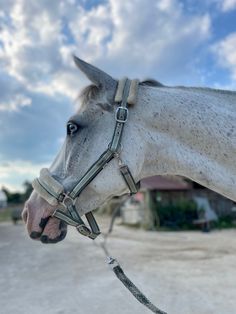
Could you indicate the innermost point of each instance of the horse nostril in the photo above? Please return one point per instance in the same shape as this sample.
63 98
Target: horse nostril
35 235
44 239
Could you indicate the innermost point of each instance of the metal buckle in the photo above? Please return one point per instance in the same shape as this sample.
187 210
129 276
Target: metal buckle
67 199
84 230
72 217
119 117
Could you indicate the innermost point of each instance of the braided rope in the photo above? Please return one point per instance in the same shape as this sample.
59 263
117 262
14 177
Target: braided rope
118 271
133 288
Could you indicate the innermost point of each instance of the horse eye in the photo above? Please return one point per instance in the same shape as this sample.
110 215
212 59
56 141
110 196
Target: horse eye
72 128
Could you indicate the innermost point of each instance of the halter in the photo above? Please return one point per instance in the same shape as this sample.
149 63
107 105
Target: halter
53 191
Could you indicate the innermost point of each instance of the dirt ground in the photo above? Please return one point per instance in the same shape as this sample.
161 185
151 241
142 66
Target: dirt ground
181 272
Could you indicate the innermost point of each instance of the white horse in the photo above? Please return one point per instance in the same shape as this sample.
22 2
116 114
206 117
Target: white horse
171 130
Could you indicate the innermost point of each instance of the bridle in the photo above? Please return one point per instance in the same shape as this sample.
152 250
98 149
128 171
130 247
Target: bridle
53 191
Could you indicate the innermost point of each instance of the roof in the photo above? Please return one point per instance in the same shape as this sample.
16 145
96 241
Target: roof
165 183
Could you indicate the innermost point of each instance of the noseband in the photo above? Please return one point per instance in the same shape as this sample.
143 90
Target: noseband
53 191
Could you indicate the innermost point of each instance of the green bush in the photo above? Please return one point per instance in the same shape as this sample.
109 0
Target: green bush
5 214
18 197
177 215
226 221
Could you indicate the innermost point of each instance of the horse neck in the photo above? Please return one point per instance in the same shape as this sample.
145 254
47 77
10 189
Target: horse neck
190 132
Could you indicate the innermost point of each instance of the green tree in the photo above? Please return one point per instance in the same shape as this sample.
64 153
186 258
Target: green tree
14 197
17 197
27 190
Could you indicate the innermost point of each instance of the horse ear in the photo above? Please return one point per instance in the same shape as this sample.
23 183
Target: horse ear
95 75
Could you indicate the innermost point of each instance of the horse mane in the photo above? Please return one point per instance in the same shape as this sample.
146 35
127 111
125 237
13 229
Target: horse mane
151 82
92 91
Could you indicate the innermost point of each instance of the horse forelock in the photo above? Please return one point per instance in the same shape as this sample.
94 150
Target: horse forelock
89 93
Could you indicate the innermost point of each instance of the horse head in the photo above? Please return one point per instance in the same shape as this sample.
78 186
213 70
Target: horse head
88 134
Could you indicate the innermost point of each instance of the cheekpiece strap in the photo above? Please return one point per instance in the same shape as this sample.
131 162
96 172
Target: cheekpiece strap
126 94
121 115
126 174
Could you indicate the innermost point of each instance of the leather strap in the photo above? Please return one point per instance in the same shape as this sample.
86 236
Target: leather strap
126 174
121 118
93 171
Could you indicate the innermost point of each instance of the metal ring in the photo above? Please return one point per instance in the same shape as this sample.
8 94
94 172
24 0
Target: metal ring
67 197
126 114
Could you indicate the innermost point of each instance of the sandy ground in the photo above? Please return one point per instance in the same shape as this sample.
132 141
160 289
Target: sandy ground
182 273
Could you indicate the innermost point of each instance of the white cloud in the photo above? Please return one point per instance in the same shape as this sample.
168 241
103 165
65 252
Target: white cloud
228 5
31 45
62 82
131 36
21 167
15 102
137 35
13 95
226 53
12 174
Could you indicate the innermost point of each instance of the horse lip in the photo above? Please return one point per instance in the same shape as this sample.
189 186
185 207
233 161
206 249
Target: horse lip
46 240
37 234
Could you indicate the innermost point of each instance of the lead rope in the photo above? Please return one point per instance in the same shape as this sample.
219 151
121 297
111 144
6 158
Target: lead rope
118 271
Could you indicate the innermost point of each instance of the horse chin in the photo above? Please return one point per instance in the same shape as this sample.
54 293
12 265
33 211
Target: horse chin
37 215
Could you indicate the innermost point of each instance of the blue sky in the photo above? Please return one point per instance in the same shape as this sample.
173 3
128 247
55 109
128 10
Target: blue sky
176 42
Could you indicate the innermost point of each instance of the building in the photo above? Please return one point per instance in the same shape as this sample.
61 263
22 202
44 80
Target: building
139 210
3 199
177 197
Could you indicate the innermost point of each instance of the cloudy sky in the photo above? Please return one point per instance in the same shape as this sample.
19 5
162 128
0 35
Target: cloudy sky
184 42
